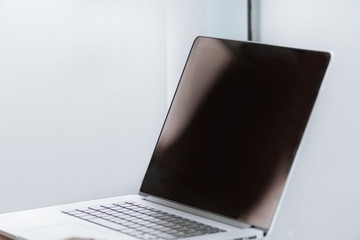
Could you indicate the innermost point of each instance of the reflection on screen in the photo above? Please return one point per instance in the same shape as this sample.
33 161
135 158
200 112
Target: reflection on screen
234 126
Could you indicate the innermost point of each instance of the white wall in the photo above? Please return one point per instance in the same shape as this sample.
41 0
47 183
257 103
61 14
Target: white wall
82 98
84 88
323 199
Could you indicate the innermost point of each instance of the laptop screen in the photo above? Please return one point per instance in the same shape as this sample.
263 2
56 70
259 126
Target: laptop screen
234 126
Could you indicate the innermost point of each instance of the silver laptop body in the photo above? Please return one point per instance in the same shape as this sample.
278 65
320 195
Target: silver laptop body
222 160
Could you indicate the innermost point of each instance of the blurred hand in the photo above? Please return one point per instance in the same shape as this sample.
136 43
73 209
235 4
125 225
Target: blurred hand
5 238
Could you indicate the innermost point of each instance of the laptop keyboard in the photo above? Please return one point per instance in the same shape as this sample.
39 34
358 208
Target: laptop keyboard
142 222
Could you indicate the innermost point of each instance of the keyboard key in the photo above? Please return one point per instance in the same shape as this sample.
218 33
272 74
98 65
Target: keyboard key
147 236
107 224
166 236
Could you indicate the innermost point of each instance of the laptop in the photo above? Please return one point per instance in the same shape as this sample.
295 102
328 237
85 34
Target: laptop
224 155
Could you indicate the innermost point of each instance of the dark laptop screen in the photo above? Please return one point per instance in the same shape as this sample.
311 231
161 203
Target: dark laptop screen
234 126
